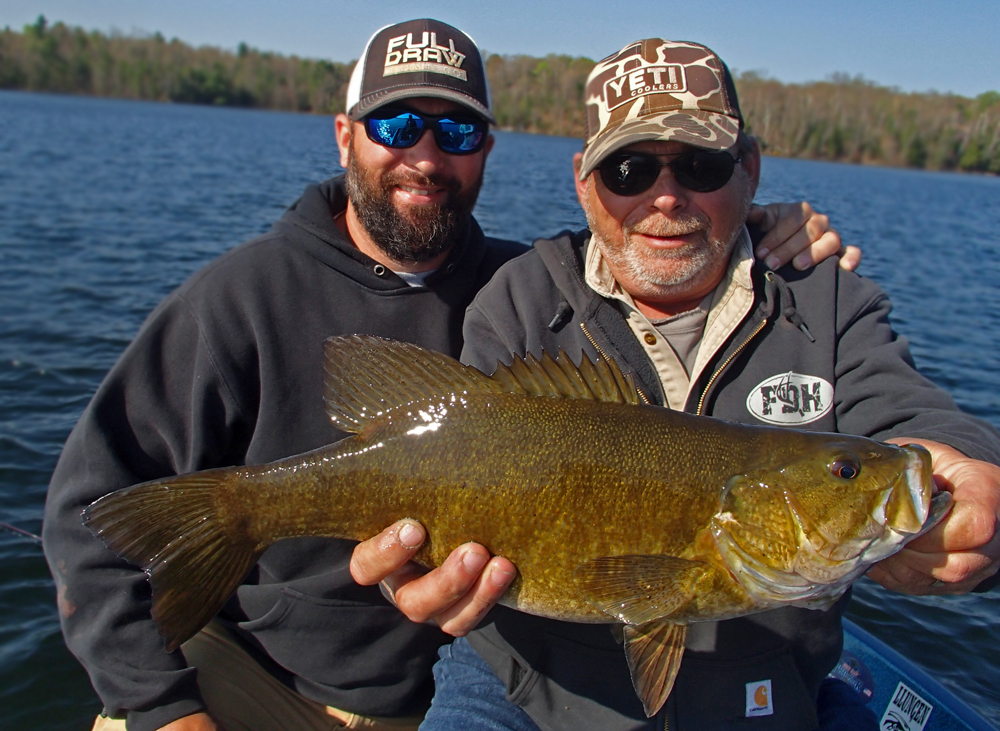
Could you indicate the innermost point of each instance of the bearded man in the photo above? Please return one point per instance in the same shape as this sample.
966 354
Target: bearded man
228 370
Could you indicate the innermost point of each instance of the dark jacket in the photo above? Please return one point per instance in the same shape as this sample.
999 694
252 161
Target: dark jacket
228 370
823 324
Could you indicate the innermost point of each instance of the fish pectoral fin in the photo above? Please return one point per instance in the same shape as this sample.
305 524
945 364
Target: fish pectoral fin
654 652
639 589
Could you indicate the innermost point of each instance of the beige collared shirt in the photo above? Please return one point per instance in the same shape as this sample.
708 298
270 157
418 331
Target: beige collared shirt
731 301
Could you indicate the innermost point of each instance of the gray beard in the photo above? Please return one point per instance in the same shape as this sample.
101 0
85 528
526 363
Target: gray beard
690 265
417 235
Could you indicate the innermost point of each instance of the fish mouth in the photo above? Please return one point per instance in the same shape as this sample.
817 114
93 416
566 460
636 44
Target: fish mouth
823 567
898 515
909 508
906 506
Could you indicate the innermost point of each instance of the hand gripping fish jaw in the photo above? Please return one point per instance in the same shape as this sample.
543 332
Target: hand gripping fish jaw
797 546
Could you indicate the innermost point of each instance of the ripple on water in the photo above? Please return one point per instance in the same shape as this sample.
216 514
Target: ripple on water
917 624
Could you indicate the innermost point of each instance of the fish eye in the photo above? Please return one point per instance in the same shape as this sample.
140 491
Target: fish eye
846 468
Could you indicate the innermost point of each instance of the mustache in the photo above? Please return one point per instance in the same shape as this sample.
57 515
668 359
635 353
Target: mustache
669 227
418 180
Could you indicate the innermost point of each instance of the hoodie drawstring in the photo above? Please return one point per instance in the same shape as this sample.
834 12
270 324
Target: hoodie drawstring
788 299
563 312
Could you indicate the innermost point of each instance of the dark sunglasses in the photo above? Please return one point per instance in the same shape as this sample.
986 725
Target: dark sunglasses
454 134
632 173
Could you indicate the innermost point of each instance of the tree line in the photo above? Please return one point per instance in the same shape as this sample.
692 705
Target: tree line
58 58
844 118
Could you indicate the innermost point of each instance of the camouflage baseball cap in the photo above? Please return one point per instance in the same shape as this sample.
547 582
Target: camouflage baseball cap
422 57
659 90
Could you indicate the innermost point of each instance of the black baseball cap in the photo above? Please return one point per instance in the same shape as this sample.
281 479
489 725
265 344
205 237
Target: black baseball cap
419 58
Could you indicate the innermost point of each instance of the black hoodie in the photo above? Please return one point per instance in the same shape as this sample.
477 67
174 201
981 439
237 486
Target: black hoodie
228 370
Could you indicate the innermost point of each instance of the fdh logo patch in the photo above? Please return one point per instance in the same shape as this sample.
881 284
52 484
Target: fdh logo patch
405 56
759 699
791 398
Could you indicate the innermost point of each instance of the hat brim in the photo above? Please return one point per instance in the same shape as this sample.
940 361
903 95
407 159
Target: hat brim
370 103
707 130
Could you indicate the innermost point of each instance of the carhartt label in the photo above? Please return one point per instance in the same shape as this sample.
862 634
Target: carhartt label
907 711
407 55
759 699
644 80
791 398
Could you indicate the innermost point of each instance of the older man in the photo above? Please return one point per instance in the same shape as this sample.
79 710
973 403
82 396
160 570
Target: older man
664 282
228 370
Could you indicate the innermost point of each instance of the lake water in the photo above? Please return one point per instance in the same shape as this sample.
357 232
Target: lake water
106 206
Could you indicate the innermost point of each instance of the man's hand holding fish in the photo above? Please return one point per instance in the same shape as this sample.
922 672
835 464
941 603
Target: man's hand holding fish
963 550
456 595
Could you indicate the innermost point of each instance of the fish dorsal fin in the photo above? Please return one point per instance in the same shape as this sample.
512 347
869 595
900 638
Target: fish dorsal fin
366 376
639 589
654 652
559 377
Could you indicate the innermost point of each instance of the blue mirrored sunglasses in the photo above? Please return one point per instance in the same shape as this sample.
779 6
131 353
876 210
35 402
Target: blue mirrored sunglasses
402 128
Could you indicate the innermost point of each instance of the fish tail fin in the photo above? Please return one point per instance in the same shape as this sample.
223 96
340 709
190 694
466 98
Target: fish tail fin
171 528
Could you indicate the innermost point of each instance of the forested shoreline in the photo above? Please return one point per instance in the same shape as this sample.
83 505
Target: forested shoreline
841 119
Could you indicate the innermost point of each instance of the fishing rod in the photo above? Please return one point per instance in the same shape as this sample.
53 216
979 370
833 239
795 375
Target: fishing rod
20 531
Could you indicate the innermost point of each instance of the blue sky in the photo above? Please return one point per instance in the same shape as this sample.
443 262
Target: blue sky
920 45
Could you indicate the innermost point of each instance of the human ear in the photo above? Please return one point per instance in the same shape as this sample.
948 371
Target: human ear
342 133
581 185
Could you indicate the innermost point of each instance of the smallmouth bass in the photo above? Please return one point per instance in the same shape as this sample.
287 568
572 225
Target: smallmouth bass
611 511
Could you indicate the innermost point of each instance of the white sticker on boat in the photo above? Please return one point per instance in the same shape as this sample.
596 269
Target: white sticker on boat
791 398
759 699
907 711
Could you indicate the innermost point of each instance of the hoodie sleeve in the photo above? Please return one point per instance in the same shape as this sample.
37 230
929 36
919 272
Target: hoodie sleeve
879 390
498 322
521 310
484 344
163 409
